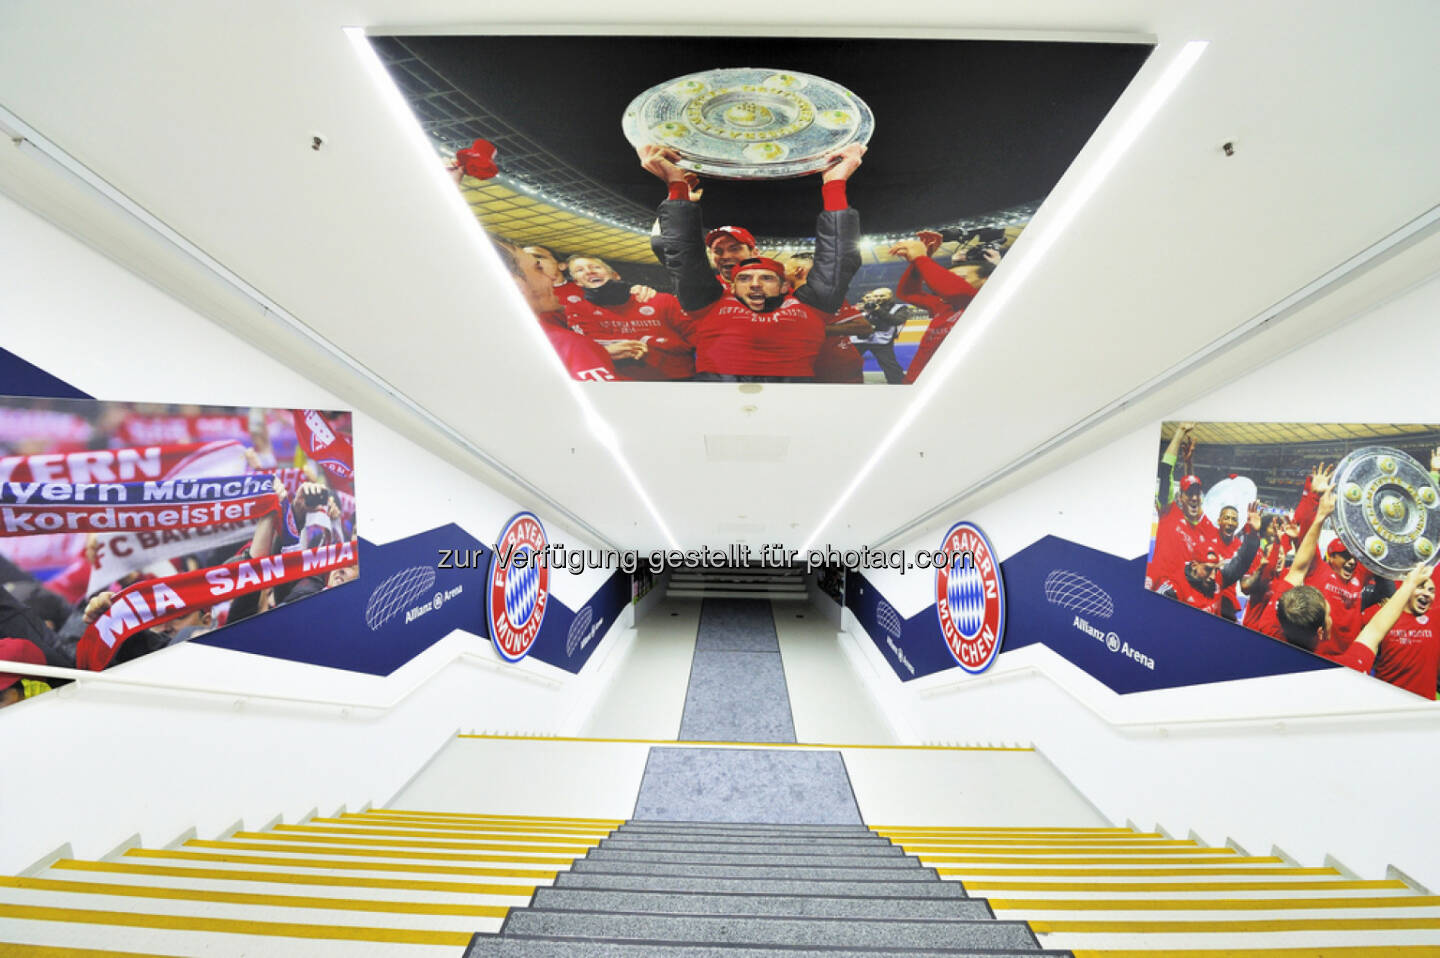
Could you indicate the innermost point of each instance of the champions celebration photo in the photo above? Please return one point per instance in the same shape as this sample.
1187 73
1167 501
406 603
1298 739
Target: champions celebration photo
771 209
128 527
1324 536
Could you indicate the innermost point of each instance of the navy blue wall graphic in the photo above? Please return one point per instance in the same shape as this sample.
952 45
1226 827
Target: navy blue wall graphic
406 599
1088 606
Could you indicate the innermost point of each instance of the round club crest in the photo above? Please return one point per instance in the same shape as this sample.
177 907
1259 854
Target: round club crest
970 598
520 589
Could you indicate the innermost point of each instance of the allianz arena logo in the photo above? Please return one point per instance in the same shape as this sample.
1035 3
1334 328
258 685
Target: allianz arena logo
1071 590
582 630
395 593
889 619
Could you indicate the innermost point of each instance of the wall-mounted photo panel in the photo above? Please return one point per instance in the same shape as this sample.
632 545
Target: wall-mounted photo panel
129 527
1320 535
826 209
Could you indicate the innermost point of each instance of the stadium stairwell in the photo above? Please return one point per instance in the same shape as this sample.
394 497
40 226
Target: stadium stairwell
396 882
739 582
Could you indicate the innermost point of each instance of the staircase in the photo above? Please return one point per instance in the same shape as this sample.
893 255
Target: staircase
739 582
390 882
1123 892
382 882
688 890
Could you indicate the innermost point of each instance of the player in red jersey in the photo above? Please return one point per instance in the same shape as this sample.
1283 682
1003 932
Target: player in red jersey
1410 655
641 337
951 290
838 360
1183 529
759 332
1209 576
583 358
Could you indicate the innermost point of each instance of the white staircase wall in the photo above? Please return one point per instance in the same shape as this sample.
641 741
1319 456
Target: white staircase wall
1356 783
96 766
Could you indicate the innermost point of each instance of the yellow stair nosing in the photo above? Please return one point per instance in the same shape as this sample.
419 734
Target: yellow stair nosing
303 848
295 878
234 926
1211 904
161 892
1252 926
503 838
474 816
342 865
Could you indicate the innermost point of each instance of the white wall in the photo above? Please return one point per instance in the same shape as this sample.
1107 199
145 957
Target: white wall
1227 759
97 765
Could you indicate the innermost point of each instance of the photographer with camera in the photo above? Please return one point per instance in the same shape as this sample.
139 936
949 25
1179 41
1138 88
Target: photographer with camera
888 318
950 290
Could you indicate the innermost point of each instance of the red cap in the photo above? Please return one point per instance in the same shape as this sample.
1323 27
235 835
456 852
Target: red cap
478 160
18 650
1205 553
758 262
1336 547
1190 482
738 233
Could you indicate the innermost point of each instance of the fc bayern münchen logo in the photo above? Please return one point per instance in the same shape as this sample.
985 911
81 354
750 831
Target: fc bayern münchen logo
517 597
970 599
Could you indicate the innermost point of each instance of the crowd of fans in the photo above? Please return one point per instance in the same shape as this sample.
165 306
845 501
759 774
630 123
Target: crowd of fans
1271 573
56 586
737 313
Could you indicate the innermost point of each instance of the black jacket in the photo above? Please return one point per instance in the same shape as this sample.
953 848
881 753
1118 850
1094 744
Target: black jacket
680 247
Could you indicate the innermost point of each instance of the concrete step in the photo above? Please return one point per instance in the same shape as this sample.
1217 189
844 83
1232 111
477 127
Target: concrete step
903 870
492 946
874 933
780 850
723 828
740 841
755 905
854 860
764 886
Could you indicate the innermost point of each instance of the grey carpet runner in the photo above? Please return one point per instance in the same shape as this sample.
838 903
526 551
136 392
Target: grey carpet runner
698 890
737 687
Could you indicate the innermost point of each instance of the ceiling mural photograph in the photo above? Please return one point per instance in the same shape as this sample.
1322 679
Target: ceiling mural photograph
725 209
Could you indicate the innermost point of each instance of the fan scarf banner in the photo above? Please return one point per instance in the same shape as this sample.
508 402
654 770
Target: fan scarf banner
43 508
222 457
331 450
116 556
154 602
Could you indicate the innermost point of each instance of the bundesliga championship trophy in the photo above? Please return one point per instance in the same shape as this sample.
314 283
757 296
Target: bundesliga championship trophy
1387 511
749 123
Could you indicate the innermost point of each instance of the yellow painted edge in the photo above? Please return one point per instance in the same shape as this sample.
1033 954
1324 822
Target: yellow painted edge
1141 872
1000 830
546 873
1049 927
1155 886
699 744
495 828
10 949
1210 904
252 898
330 848
506 841
1094 860
1097 853
321 838
1039 842
86 916
473 816
1329 951
294 878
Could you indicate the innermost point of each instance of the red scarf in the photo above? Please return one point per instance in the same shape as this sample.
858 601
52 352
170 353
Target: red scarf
156 601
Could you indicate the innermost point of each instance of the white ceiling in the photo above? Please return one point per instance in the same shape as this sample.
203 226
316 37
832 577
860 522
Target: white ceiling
202 113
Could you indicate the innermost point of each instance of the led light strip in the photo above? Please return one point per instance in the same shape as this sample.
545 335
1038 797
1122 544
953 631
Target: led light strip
1033 244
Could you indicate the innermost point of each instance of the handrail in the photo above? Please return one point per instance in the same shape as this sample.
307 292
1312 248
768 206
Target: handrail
84 677
1100 711
960 685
